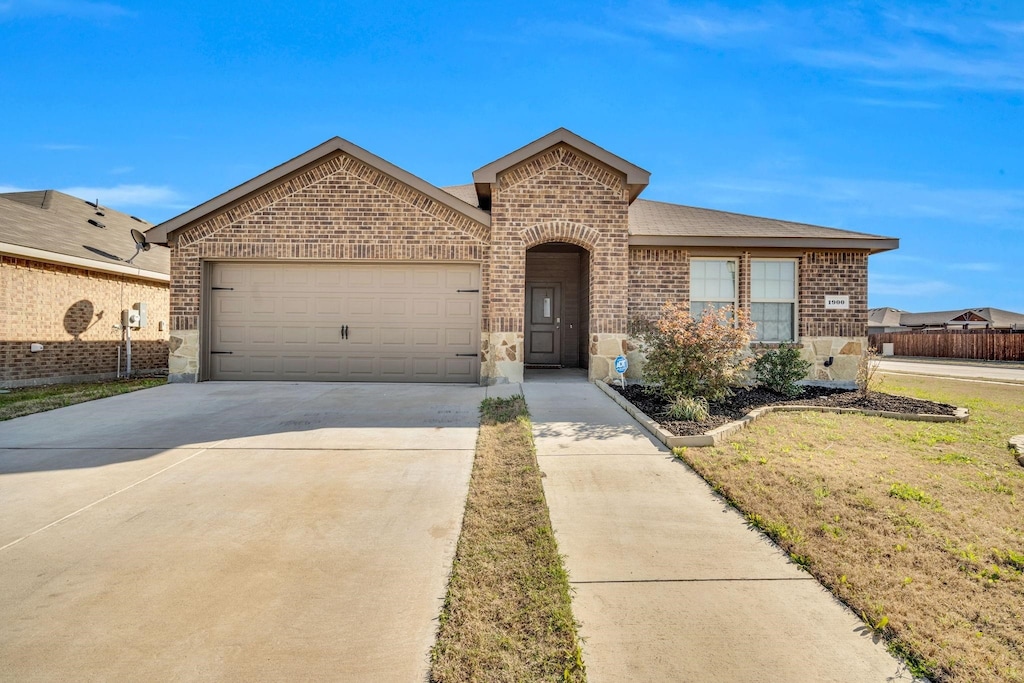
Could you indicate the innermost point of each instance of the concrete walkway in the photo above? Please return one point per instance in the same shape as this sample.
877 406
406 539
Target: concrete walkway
976 370
670 583
232 532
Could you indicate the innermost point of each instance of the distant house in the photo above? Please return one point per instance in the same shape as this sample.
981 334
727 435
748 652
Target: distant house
68 271
894 320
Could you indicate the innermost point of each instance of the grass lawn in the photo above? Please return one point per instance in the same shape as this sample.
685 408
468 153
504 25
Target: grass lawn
28 400
507 615
917 526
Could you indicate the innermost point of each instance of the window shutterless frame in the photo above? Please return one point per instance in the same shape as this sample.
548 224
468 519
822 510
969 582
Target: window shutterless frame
713 282
774 295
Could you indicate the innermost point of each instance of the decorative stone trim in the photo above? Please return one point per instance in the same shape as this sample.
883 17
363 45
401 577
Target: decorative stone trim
1017 446
718 435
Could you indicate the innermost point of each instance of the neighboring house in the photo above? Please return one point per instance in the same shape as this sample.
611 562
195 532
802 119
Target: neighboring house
338 265
881 320
894 320
64 282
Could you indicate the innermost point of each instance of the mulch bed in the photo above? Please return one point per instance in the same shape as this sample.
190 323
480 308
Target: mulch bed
745 400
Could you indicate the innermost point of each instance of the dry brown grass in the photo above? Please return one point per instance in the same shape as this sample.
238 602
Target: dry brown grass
508 614
29 400
919 527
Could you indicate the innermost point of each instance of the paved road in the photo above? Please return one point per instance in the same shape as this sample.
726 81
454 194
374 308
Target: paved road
669 582
993 371
232 532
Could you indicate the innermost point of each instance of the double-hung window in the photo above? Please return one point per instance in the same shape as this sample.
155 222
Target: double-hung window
773 299
712 284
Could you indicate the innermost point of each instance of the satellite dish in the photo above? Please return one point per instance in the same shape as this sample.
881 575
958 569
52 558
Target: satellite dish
140 243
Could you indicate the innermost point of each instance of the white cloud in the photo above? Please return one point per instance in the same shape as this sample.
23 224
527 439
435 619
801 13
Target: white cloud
896 104
127 195
975 267
4 189
60 147
901 285
75 9
887 197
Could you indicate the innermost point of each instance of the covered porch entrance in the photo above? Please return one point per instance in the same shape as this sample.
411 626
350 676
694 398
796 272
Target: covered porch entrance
557 316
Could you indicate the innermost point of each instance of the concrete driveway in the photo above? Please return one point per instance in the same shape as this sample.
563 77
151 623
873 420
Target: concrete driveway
232 532
978 370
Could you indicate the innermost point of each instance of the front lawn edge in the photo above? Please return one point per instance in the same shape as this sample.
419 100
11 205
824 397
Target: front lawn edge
720 434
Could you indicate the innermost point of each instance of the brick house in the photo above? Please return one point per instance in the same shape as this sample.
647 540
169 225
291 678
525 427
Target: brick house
64 282
338 265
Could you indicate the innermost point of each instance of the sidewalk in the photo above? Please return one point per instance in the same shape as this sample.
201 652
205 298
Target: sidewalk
670 583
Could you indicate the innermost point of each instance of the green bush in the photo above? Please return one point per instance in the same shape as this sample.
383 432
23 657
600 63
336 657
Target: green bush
779 369
691 408
703 357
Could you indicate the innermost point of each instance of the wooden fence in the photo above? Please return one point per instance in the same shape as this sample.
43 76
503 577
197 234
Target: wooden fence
976 344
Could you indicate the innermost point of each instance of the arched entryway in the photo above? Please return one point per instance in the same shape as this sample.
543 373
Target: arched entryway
557 298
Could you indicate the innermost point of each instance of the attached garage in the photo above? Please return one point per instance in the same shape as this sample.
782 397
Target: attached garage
372 322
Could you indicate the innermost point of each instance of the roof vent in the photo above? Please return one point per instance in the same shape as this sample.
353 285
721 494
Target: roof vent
95 222
136 218
95 204
100 213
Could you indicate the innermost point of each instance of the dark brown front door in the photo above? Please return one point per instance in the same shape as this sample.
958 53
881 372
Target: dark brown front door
543 320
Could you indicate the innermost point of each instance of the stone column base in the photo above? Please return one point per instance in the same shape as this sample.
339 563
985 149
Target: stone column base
603 350
845 352
501 358
183 360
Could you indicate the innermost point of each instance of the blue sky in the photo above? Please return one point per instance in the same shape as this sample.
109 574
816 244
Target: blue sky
902 119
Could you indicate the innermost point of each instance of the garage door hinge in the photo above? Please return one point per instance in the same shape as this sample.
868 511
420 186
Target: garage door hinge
221 353
223 289
477 291
474 355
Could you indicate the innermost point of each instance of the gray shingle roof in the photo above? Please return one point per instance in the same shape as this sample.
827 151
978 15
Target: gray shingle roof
997 317
652 222
58 225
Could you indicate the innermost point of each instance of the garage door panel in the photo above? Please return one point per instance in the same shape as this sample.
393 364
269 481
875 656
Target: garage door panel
263 306
263 335
295 306
404 322
265 366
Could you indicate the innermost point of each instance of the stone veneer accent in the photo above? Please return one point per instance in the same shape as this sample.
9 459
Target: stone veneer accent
74 322
341 210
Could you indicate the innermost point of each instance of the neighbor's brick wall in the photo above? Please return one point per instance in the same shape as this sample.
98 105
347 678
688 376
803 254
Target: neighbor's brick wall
339 210
825 273
71 312
560 195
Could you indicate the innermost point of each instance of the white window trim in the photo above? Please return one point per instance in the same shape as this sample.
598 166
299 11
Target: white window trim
795 300
735 281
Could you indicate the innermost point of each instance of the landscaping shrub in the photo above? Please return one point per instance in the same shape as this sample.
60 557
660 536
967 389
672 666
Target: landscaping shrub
695 357
693 409
779 370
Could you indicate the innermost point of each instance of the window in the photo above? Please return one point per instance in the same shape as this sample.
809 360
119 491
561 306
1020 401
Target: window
712 284
773 299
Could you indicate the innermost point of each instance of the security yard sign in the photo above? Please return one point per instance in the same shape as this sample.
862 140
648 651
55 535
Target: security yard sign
837 301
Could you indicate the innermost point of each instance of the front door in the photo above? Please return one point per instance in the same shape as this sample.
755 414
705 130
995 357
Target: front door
543 320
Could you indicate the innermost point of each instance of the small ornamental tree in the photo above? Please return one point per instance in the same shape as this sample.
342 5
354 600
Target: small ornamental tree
695 357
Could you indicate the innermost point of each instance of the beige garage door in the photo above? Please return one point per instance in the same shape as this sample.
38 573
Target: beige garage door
344 322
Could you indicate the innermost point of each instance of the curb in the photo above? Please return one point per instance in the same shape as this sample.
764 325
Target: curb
1017 445
719 434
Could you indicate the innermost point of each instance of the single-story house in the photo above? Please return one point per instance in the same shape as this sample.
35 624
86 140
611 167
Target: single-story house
984 318
338 265
65 281
886 319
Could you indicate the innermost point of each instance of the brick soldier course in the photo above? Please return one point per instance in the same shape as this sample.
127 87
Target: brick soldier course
339 203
